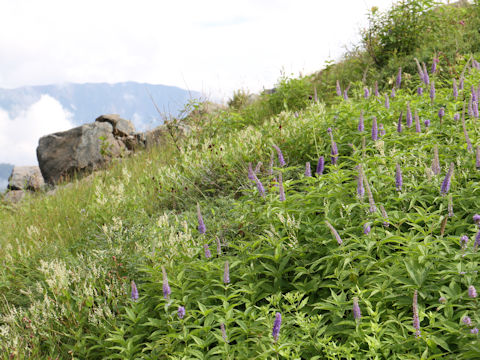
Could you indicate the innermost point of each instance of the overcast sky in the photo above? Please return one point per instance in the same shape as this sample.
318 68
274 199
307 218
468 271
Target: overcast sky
212 46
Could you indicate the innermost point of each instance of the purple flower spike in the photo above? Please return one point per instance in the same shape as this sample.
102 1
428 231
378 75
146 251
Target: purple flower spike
334 233
165 287
260 188
464 242
251 176
376 89
276 326
476 244
224 332
467 321
472 292
432 91
419 90
476 219
441 113
398 178
361 125
360 188
474 331
208 254
409 115
447 181
381 130
345 94
308 170
387 102
456 117
475 109
356 309
281 160
398 81
181 312
226 273
366 93
280 188
320 165
339 89
134 294
477 157
366 228
426 78
416 320
399 126
374 129
474 93
417 123
455 89
460 85
434 65
392 94
427 123
201 225
334 153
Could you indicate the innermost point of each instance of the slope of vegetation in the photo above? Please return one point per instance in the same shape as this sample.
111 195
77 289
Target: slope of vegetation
182 252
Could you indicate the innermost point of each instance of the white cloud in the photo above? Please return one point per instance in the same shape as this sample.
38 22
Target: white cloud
214 46
19 135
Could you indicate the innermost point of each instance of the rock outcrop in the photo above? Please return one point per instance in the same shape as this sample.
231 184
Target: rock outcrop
80 150
26 178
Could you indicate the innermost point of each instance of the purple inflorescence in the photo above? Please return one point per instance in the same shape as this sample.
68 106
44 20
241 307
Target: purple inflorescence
476 219
409 115
416 320
450 206
360 188
464 242
339 89
417 123
345 94
477 157
387 102
398 178
467 321
224 332
281 160
476 244
374 129
441 113
376 89
447 181
260 188
165 287
455 89
361 125
276 326
456 117
474 331
320 165
134 294
399 126
251 176
475 109
474 93
366 228
208 254
201 225
432 90
398 81
460 85
472 292
334 153
426 78
392 94
366 93
181 312
226 273
219 246
356 309
419 90
280 188
334 233
381 130
434 65
308 170
427 123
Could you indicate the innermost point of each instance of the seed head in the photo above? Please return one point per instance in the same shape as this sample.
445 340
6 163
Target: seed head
436 161
226 273
334 233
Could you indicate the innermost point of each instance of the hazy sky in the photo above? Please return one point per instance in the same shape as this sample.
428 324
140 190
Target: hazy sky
212 46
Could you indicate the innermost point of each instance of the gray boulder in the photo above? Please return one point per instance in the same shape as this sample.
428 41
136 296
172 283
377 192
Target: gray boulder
77 151
14 196
26 178
121 127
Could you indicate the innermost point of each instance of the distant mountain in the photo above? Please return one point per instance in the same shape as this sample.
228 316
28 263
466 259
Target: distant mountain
87 101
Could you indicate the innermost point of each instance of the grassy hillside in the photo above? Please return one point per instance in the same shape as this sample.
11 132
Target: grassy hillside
181 253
